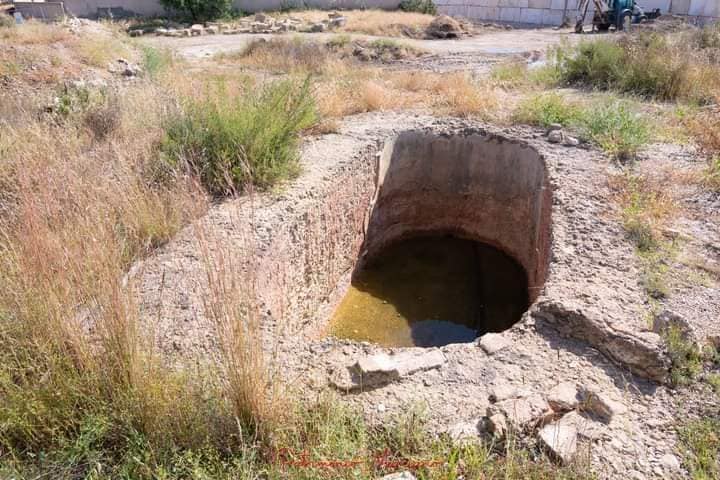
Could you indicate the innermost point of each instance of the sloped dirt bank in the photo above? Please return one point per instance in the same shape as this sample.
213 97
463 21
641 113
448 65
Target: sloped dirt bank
587 325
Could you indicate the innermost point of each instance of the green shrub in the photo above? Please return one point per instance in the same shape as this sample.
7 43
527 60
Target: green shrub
252 140
548 108
686 357
199 10
615 128
6 21
701 442
595 63
510 74
419 6
711 178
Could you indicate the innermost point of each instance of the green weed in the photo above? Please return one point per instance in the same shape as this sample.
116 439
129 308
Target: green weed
616 129
711 177
155 61
686 358
251 140
419 6
548 108
713 379
701 442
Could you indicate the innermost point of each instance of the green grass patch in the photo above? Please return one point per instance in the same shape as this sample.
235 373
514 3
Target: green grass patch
251 140
711 176
547 108
685 356
616 129
156 61
700 440
419 6
713 379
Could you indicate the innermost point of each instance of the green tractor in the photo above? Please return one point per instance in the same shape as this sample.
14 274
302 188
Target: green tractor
620 14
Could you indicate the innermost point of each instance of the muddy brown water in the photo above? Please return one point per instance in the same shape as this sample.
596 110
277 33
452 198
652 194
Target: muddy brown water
432 291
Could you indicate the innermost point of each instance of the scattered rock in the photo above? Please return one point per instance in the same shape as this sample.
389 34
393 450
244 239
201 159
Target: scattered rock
197 29
569 141
502 392
601 405
338 22
261 17
493 342
332 15
670 462
212 29
585 426
465 430
564 397
318 27
497 425
380 369
136 33
553 127
520 412
560 440
399 476
555 136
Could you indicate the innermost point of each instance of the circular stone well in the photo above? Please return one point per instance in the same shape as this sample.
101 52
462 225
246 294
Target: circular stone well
457 242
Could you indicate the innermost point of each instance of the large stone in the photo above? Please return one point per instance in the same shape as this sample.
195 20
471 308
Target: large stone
521 412
564 397
197 29
600 404
585 426
493 342
380 369
502 392
560 440
556 136
338 22
465 431
318 27
399 476
497 425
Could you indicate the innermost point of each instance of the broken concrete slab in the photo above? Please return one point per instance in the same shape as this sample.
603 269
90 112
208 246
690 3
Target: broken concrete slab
521 412
380 369
560 440
600 404
492 343
564 397
586 427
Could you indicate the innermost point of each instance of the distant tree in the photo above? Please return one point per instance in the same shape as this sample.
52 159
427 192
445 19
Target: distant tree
199 10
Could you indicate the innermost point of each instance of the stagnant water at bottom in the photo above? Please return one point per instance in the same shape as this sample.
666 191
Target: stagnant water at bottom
432 291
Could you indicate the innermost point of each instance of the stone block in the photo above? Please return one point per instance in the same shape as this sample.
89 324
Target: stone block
680 7
531 15
494 342
484 13
560 440
552 17
510 14
558 5
564 397
514 3
539 3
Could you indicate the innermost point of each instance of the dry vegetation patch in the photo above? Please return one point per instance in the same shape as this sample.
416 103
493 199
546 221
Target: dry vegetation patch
375 22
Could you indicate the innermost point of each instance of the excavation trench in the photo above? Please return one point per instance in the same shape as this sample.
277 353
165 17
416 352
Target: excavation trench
456 245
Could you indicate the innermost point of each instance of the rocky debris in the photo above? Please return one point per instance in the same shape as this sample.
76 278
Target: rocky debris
197 30
564 397
492 343
318 27
464 431
560 440
670 462
503 392
444 26
380 369
398 476
124 68
136 33
555 134
586 427
497 425
600 404
521 412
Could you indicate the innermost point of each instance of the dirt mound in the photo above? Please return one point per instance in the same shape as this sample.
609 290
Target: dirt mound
446 27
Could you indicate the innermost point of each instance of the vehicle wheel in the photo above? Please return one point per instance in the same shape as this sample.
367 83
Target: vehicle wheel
626 22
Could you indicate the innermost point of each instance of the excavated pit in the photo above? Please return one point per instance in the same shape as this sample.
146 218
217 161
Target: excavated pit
457 243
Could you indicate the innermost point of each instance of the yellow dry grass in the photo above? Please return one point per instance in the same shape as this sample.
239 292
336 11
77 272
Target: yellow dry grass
375 22
34 32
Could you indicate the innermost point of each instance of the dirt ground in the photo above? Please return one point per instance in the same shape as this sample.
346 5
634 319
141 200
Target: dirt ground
589 328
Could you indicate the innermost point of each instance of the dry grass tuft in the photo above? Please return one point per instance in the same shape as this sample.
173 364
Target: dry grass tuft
33 32
376 22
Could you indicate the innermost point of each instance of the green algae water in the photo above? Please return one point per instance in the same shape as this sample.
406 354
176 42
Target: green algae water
432 291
